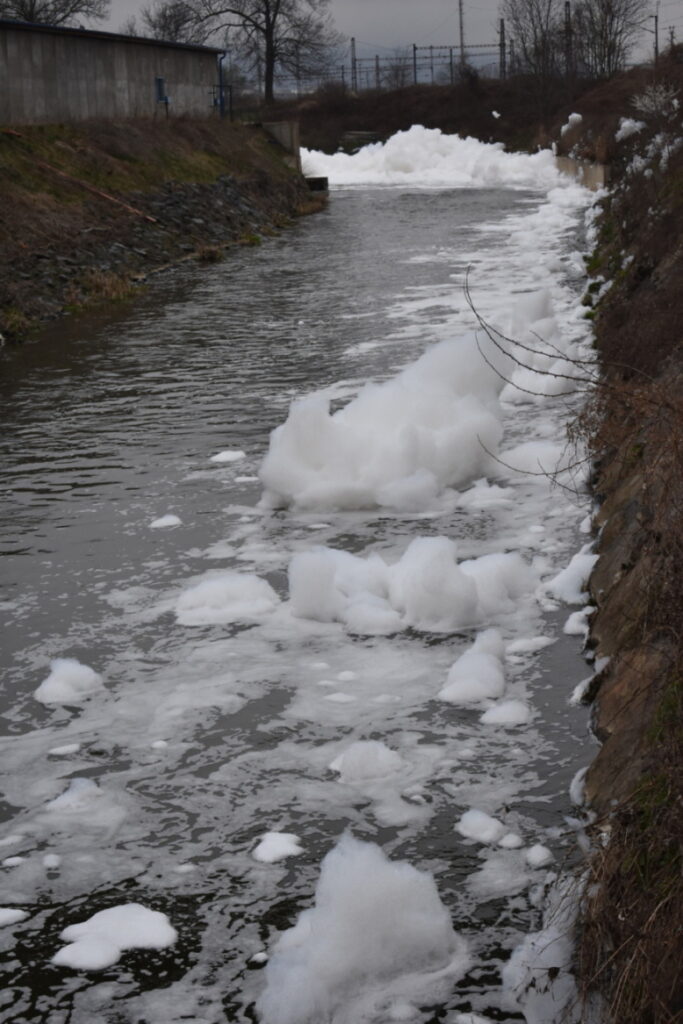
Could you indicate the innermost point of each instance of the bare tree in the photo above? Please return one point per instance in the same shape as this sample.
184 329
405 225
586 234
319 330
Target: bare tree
535 26
54 12
293 34
605 32
174 21
398 70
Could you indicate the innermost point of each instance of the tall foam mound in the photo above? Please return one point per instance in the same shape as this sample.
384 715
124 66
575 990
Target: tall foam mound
427 157
377 938
397 444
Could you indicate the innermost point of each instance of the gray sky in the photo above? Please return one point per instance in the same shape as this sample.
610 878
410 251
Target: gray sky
382 25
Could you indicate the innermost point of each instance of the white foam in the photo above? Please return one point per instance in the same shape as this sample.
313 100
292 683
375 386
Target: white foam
69 682
507 713
275 846
226 597
99 942
426 588
10 915
163 522
478 674
365 760
569 584
538 856
480 826
426 157
397 444
229 455
377 935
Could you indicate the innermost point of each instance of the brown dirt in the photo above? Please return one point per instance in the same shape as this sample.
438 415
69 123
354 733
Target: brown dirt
89 210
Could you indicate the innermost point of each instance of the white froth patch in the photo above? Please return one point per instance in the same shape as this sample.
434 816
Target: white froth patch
366 760
276 846
99 942
530 645
65 751
229 455
378 935
10 915
426 157
503 873
426 589
537 979
480 826
569 584
478 674
507 713
226 597
69 682
538 856
397 444
165 521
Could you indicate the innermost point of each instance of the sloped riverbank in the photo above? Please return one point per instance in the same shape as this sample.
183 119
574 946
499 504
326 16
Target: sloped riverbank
90 210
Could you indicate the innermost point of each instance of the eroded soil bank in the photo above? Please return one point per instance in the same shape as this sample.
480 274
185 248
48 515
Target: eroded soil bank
90 210
630 950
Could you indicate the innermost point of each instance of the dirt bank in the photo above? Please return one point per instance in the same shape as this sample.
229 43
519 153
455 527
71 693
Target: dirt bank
632 929
90 210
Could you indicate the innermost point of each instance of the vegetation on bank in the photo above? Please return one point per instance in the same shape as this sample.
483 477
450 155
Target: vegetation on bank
632 928
89 210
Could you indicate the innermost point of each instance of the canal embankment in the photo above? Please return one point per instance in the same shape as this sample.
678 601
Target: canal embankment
631 920
90 210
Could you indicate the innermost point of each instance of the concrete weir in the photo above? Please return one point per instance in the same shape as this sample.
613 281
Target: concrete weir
593 176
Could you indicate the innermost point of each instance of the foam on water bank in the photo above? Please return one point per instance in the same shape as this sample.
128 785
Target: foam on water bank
378 937
397 444
425 157
426 589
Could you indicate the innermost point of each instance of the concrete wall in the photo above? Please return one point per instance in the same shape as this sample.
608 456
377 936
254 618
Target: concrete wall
49 75
593 176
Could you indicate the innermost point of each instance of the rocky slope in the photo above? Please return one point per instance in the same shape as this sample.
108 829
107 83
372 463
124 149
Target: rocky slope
90 210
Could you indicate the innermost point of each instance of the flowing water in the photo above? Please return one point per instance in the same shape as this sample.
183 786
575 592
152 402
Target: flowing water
207 736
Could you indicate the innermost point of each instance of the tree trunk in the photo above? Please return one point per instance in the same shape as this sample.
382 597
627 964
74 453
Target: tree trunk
269 94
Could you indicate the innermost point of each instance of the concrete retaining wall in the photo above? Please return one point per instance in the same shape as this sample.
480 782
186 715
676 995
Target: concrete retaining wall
51 75
593 176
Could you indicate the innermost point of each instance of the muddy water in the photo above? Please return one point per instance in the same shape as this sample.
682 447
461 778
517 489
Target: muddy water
206 737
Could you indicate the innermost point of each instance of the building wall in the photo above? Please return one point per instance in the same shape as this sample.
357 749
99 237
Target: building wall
48 75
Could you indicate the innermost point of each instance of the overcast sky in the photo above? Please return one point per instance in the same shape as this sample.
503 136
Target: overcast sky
383 25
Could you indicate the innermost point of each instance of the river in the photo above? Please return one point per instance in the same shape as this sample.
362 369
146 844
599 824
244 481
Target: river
200 735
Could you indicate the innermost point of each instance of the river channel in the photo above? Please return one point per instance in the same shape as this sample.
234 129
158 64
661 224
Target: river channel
205 735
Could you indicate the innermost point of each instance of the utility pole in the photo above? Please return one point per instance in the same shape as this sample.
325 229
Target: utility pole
414 63
656 17
354 69
502 56
377 76
462 33
568 41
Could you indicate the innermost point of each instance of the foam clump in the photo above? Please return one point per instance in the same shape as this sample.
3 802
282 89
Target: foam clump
377 937
230 455
11 915
537 856
163 522
397 444
276 846
426 589
480 826
541 368
99 942
226 597
569 584
507 713
366 760
478 674
426 157
69 682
